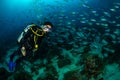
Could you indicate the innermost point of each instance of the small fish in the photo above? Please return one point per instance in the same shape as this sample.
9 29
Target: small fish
103 19
97 23
113 10
93 20
117 3
116 7
89 23
83 18
83 21
118 25
94 12
118 17
113 22
85 5
68 23
106 25
73 13
107 14
73 20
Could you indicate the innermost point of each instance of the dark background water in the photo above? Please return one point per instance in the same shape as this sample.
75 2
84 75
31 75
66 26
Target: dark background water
14 17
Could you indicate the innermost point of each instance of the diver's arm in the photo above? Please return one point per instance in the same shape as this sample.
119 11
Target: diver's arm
23 33
20 37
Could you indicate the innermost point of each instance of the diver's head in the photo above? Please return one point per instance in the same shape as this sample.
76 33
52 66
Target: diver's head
47 26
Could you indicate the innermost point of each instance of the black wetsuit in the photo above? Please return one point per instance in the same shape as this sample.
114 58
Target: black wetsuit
28 42
28 39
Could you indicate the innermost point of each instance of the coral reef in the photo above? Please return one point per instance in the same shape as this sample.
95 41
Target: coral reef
73 75
93 67
22 76
112 72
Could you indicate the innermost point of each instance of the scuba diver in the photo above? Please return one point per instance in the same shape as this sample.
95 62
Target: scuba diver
32 36
29 41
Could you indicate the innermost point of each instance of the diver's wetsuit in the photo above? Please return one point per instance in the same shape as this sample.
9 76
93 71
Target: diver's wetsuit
28 41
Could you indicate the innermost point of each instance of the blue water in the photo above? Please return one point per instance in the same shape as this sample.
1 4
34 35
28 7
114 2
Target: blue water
15 15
